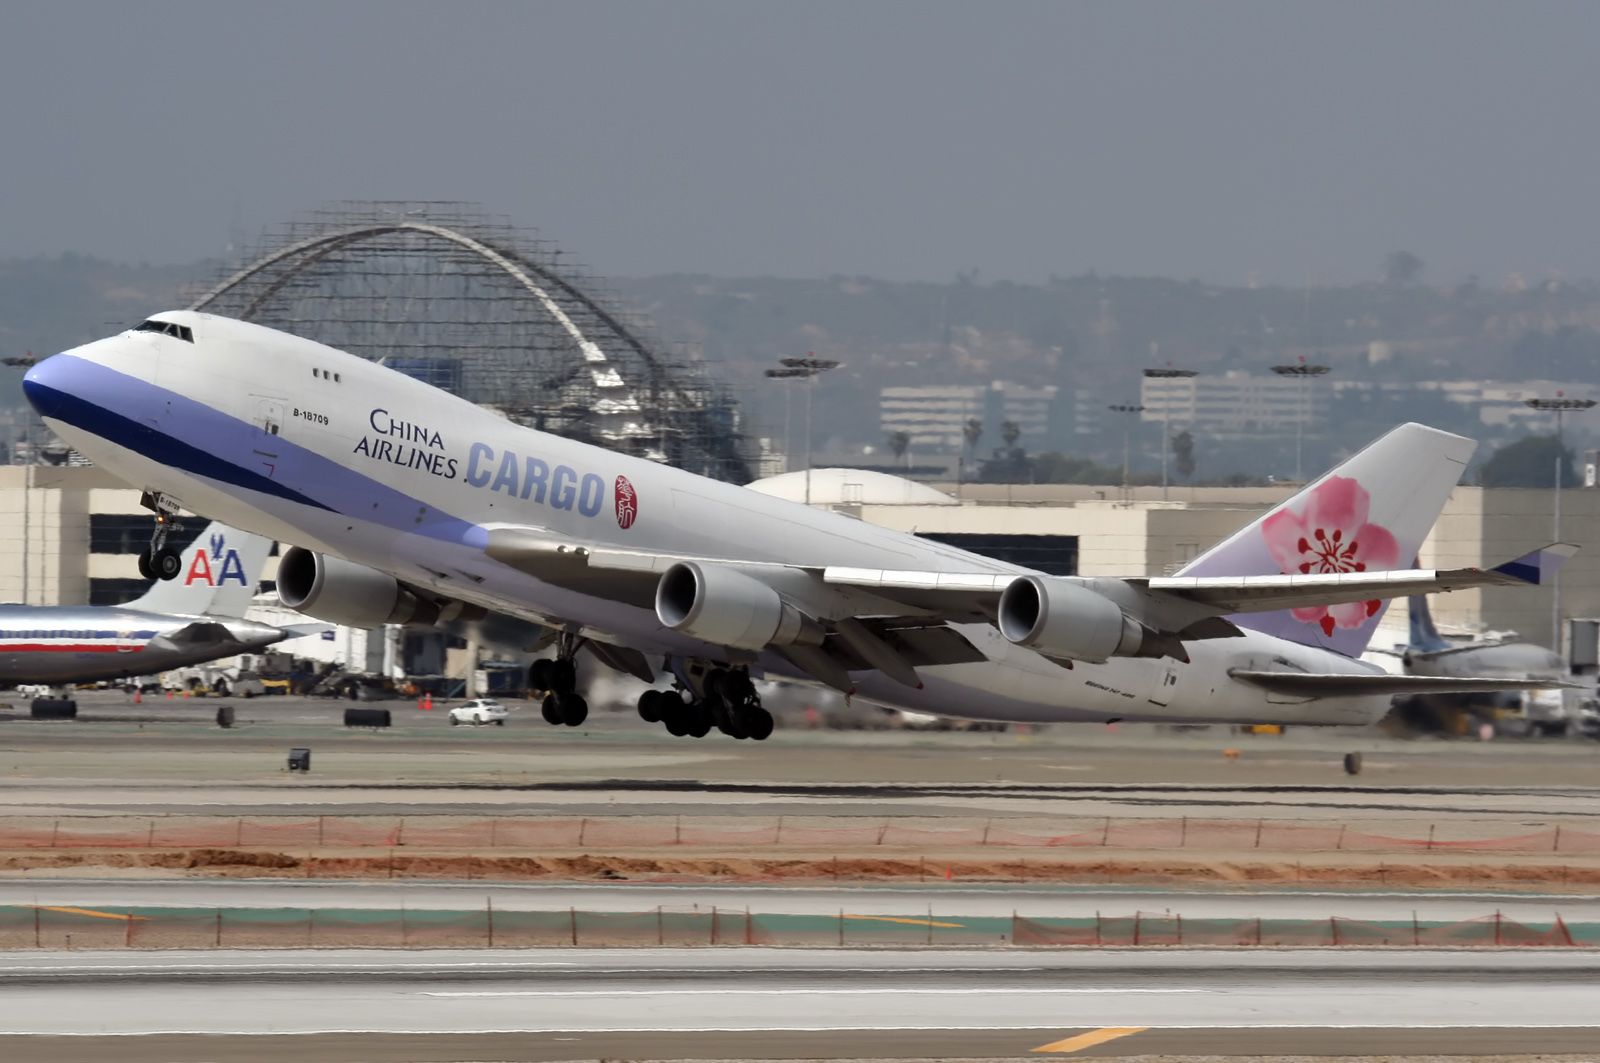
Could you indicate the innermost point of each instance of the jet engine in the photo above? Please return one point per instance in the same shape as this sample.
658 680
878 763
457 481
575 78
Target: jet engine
729 608
341 592
1060 618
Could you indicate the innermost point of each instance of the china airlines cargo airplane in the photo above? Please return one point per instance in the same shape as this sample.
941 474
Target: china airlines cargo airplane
408 505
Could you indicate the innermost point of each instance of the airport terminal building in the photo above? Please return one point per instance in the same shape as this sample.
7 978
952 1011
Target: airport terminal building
73 534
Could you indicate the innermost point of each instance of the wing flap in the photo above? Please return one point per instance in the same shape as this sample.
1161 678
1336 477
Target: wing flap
1335 685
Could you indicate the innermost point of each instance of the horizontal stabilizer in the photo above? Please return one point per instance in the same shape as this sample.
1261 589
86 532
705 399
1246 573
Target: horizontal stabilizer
1539 566
198 633
1340 685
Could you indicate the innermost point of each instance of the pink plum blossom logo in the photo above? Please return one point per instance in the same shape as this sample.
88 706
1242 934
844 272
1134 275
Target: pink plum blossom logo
1331 534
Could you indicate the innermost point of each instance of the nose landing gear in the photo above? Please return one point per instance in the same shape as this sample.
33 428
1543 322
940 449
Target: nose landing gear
160 561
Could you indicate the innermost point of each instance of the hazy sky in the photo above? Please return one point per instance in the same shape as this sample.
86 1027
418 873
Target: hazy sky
904 140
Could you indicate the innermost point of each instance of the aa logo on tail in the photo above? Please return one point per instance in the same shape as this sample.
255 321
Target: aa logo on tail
221 566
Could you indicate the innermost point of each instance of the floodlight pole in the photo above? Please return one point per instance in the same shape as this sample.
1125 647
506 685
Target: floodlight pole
1166 373
1305 373
1132 409
1560 406
809 368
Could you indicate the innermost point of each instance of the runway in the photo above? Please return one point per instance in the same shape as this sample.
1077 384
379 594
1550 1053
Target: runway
752 1003
170 757
937 898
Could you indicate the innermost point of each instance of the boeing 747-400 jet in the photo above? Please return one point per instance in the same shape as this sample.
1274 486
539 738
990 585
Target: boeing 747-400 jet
406 505
195 617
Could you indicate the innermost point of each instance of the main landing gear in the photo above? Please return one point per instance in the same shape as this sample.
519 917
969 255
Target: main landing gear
161 561
727 701
559 678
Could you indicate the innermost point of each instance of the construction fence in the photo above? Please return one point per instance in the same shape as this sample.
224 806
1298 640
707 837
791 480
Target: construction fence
155 928
450 833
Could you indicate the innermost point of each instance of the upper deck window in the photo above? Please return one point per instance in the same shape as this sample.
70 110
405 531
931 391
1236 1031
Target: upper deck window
167 328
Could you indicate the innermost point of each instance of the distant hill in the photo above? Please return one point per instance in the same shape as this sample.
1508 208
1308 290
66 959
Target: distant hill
1086 333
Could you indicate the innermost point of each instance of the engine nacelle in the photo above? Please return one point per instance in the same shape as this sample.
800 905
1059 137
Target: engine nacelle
1060 618
341 592
729 608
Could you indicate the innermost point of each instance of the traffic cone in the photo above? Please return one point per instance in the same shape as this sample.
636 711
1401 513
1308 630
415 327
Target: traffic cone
427 702
138 696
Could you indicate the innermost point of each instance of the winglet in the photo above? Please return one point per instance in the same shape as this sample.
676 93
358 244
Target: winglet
1540 565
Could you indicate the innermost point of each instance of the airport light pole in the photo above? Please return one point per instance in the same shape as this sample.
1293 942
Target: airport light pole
1132 409
1167 373
1560 406
25 362
808 368
1305 373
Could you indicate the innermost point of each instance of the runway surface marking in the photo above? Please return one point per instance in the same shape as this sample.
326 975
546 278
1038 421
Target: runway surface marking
1091 1038
907 922
69 910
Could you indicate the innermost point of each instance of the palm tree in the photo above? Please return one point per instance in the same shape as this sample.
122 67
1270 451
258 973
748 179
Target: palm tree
1010 431
899 442
971 432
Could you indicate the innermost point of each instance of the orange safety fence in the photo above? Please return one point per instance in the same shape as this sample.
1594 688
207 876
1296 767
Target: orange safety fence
602 833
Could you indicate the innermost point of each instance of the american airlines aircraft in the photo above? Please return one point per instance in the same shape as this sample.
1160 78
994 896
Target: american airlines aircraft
193 618
407 504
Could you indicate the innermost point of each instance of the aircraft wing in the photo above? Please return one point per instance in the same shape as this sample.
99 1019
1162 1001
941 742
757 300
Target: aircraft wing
1338 684
1257 594
869 611
631 577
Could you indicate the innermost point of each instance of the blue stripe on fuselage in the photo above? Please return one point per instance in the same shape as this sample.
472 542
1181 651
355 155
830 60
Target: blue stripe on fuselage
217 435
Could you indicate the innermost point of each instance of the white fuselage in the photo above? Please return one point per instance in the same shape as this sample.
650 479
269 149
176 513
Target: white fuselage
318 448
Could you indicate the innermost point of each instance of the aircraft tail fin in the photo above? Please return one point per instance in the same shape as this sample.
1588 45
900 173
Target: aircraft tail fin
1425 638
1370 514
218 577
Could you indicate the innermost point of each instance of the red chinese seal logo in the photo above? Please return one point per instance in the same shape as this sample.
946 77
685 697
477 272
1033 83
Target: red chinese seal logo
627 503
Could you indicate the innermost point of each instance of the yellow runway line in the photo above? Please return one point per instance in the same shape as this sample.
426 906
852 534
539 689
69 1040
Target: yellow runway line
906 922
87 911
1092 1038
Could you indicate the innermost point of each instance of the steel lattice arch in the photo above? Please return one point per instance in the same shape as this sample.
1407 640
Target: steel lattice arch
466 301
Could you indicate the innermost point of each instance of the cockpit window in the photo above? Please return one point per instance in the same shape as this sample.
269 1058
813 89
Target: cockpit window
167 328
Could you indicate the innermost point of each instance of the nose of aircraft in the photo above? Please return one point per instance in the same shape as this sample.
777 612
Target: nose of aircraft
43 387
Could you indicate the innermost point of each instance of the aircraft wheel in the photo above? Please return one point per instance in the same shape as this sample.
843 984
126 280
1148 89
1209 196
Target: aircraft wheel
539 674
737 688
676 722
699 723
757 723
454 722
551 709
563 676
167 563
574 709
650 706
146 570
726 720
1352 763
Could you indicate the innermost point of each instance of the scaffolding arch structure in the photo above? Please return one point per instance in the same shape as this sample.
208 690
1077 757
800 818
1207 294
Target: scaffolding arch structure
464 300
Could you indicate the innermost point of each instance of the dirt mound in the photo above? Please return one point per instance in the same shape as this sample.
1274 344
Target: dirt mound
223 862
